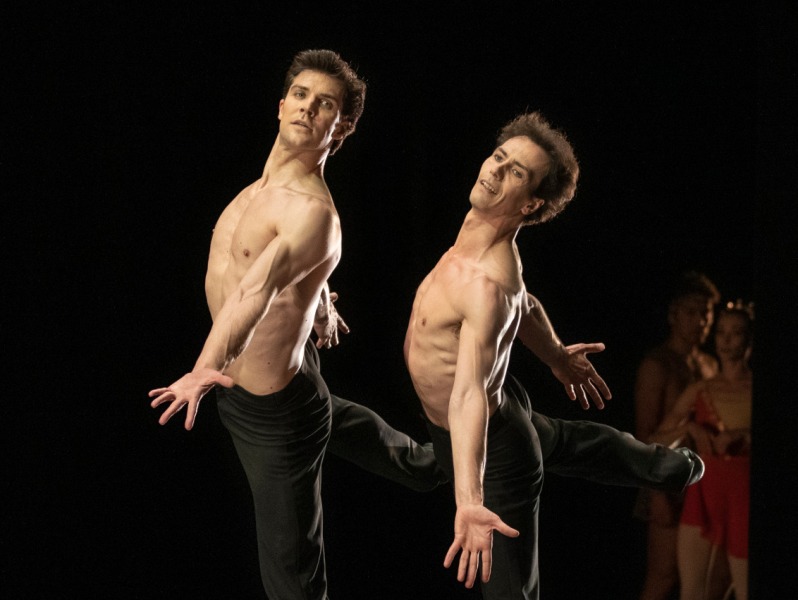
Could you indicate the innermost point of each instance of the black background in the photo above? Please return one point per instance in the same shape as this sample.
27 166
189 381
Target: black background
129 126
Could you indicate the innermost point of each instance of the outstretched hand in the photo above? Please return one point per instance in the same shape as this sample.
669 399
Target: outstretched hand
473 538
188 391
579 376
328 323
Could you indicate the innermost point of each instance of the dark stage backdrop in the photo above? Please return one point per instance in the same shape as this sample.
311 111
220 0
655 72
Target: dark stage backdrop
130 125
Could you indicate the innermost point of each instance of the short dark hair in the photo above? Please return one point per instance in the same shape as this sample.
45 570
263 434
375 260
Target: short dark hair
330 63
694 283
559 185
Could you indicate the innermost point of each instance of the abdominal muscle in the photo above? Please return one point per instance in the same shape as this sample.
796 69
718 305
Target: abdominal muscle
433 378
431 360
275 352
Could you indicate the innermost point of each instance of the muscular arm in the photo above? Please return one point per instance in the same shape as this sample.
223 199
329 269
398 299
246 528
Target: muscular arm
288 258
568 363
294 252
487 315
537 333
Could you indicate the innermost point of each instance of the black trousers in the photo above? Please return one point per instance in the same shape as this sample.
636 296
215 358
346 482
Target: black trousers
600 453
521 445
512 484
280 440
362 437
583 449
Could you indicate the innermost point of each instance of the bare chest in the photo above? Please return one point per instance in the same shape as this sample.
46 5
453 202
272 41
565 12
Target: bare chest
433 313
245 229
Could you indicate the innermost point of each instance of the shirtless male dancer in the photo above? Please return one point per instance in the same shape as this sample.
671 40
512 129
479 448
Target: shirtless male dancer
486 438
272 251
664 373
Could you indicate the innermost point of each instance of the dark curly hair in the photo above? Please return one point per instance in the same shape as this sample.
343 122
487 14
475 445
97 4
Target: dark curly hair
330 63
559 185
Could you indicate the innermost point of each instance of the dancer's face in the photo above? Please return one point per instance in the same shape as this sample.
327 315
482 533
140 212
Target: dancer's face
731 336
690 319
508 176
310 113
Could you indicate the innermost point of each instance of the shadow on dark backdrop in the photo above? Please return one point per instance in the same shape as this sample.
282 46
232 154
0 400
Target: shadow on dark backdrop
132 126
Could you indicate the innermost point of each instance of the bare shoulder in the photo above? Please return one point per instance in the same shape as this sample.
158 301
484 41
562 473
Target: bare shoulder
478 296
654 360
483 287
296 210
661 360
313 208
659 354
459 285
653 369
290 197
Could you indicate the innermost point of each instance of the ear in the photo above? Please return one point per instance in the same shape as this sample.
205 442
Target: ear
280 109
342 129
531 206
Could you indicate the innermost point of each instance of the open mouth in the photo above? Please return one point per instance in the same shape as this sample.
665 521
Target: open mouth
487 186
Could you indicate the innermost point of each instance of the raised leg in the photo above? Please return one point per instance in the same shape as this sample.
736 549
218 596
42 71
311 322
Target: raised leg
361 436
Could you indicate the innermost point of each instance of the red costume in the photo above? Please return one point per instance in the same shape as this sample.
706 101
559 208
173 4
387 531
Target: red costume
719 502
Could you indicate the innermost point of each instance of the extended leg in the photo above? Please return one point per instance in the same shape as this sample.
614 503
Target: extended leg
603 454
361 436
